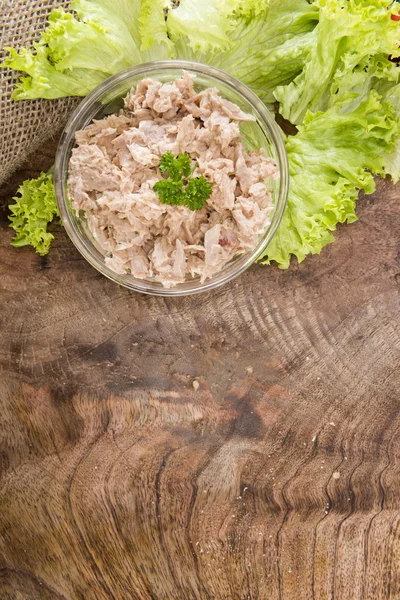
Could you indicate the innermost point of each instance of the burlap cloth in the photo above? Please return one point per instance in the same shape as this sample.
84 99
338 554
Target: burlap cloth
25 124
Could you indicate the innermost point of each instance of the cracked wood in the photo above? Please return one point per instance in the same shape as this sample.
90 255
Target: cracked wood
276 479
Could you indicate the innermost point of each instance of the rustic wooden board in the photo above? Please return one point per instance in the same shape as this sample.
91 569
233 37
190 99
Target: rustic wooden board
277 479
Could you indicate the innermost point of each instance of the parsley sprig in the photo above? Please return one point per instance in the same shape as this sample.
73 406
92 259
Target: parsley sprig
180 189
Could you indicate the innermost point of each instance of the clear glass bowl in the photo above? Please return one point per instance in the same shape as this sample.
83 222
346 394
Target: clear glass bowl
107 99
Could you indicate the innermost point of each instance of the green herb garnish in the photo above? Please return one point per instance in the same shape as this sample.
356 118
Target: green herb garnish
176 167
180 189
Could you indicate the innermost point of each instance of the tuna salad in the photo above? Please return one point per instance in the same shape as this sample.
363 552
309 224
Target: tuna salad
150 218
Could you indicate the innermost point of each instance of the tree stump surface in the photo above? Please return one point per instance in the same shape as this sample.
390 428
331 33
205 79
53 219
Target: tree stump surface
278 478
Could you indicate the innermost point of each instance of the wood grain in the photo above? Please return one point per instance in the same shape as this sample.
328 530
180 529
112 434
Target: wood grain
278 478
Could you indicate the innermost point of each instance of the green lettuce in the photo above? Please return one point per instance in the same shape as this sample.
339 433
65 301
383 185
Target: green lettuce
77 52
269 49
34 209
348 37
325 61
203 24
153 26
392 95
331 158
44 80
188 26
211 24
263 43
373 73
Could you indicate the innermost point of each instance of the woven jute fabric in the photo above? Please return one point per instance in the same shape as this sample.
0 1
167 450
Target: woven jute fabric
25 124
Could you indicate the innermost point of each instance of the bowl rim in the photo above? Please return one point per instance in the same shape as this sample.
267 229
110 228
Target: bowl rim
268 123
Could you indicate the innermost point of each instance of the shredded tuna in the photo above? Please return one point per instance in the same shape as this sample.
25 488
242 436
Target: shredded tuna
115 165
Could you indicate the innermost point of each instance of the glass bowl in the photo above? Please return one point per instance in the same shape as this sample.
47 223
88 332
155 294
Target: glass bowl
107 99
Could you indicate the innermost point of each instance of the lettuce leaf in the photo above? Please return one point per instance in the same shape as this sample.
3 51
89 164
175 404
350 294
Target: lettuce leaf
77 52
34 209
203 24
392 95
326 55
350 33
153 25
379 74
195 27
373 72
331 158
244 8
268 49
210 24
44 81
264 43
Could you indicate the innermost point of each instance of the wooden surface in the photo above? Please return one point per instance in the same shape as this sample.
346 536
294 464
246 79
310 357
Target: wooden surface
278 478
